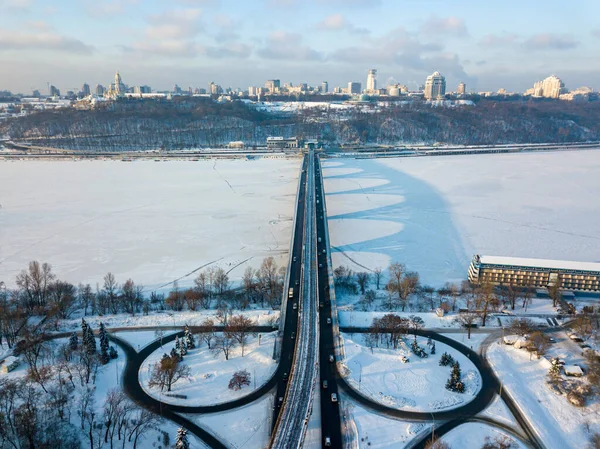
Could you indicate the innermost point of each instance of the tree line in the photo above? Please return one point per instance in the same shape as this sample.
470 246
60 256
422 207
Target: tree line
39 292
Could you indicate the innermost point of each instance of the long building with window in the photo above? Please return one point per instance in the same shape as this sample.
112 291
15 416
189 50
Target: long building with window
516 271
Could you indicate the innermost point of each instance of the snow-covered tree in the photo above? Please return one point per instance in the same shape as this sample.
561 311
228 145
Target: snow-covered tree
87 337
112 352
104 356
239 379
189 338
446 359
181 441
455 382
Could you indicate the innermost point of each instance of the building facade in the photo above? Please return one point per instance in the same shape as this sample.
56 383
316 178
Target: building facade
462 89
372 80
273 85
435 86
551 87
354 88
280 143
324 87
541 273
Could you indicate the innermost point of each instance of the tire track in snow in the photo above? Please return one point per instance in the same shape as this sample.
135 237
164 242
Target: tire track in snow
221 176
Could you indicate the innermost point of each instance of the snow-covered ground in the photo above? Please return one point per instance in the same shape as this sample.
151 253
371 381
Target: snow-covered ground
154 223
211 373
473 435
245 427
418 385
365 319
380 432
191 318
434 214
559 424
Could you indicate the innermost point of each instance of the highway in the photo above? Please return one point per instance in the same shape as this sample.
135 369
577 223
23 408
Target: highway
330 411
296 408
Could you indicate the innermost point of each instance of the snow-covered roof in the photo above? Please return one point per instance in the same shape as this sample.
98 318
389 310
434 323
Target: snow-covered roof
540 263
573 370
10 360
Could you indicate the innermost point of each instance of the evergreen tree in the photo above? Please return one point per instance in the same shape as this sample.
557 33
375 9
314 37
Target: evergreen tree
429 341
175 353
112 352
446 359
73 342
455 382
104 356
189 338
181 441
89 341
84 330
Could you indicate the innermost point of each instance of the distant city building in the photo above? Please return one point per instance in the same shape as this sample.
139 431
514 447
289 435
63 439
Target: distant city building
36 94
176 89
215 89
354 87
142 90
85 90
462 89
117 88
395 90
580 94
54 92
372 80
100 90
435 86
324 87
551 87
252 91
337 90
279 143
273 85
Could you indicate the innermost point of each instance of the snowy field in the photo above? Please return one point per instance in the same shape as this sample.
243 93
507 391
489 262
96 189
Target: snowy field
151 222
434 214
418 385
211 373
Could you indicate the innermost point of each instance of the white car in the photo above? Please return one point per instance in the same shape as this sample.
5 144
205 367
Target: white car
333 397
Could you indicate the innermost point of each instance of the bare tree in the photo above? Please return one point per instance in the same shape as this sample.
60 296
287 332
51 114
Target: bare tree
416 323
436 443
239 380
485 300
238 328
175 300
499 442
467 318
35 283
396 275
428 292
378 276
224 344
85 296
167 372
521 326
110 290
131 296
362 279
555 292
62 297
539 342
143 420
221 280
193 298
206 331
116 409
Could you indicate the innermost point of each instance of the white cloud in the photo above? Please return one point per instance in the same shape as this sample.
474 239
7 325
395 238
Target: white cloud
498 40
548 41
288 46
43 39
337 22
445 25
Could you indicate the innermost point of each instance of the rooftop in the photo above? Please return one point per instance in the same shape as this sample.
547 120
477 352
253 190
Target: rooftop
540 263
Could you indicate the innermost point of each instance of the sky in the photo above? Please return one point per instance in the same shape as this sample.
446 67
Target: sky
239 43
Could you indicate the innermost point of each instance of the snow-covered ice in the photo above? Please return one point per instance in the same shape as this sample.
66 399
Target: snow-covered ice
433 214
418 385
154 223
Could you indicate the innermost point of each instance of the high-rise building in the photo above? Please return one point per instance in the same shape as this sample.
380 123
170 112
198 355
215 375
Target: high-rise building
142 90
215 89
324 87
435 86
273 85
176 89
372 80
551 87
54 92
117 88
99 90
354 87
462 89
85 90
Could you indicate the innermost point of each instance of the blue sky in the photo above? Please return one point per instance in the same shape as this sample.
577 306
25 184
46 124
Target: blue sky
238 43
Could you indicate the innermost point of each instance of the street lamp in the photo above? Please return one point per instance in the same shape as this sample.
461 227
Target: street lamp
359 374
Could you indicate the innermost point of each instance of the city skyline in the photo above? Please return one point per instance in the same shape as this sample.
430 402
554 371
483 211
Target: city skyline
194 42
